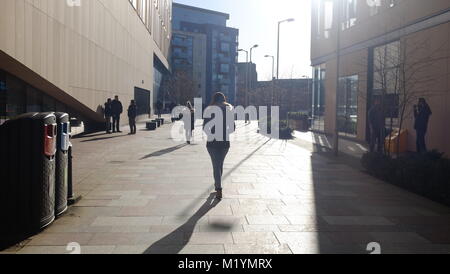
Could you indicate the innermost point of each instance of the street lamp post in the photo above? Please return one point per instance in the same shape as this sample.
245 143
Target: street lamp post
246 72
273 76
251 76
278 44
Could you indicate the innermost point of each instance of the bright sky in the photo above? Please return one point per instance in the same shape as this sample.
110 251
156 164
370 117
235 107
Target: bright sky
257 21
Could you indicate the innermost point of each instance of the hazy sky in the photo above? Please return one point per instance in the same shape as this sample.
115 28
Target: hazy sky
257 21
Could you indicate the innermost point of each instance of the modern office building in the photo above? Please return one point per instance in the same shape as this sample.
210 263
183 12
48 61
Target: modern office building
189 57
221 48
58 55
247 80
393 50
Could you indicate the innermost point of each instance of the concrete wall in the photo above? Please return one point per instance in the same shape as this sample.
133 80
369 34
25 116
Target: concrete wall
81 55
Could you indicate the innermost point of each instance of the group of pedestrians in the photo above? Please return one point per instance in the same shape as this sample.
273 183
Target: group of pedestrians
113 109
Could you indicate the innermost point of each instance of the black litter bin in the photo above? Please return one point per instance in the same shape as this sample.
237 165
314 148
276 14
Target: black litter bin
28 188
43 189
15 185
62 162
5 216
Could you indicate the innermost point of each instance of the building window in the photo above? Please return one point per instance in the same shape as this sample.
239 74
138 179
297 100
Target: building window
324 17
348 105
318 104
349 12
224 68
3 90
386 78
18 97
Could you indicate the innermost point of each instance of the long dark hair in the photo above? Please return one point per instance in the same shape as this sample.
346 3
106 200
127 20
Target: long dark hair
219 98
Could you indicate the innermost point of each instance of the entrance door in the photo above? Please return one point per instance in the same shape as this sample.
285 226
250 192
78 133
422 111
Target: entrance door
142 98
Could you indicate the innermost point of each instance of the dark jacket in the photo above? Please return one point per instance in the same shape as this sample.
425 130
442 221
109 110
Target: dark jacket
108 110
159 106
228 128
422 116
132 111
116 107
376 118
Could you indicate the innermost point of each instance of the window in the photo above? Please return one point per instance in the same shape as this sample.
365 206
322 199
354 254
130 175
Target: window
349 10
324 18
3 94
386 77
224 68
224 47
318 104
386 61
348 105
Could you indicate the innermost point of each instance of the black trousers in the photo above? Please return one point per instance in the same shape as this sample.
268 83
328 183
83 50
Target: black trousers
116 123
218 158
376 140
420 142
132 122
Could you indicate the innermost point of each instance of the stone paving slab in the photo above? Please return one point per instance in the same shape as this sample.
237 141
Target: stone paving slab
149 194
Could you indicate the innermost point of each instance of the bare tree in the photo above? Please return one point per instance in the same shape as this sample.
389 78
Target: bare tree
181 87
403 72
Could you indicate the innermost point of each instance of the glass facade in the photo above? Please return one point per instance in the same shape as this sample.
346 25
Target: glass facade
386 79
182 13
182 52
221 47
348 105
17 97
318 104
324 16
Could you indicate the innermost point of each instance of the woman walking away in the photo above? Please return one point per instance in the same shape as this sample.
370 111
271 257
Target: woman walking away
189 125
132 113
422 114
218 130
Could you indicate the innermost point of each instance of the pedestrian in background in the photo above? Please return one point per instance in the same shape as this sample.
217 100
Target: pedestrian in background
159 107
117 110
132 114
219 146
422 113
377 126
108 115
189 123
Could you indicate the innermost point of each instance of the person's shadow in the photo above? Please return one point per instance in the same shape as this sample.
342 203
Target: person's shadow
171 244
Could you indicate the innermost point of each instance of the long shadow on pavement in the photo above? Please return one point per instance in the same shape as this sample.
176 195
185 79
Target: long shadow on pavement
170 244
103 138
226 175
164 151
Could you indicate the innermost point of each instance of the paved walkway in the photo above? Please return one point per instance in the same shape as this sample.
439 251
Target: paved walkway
150 194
